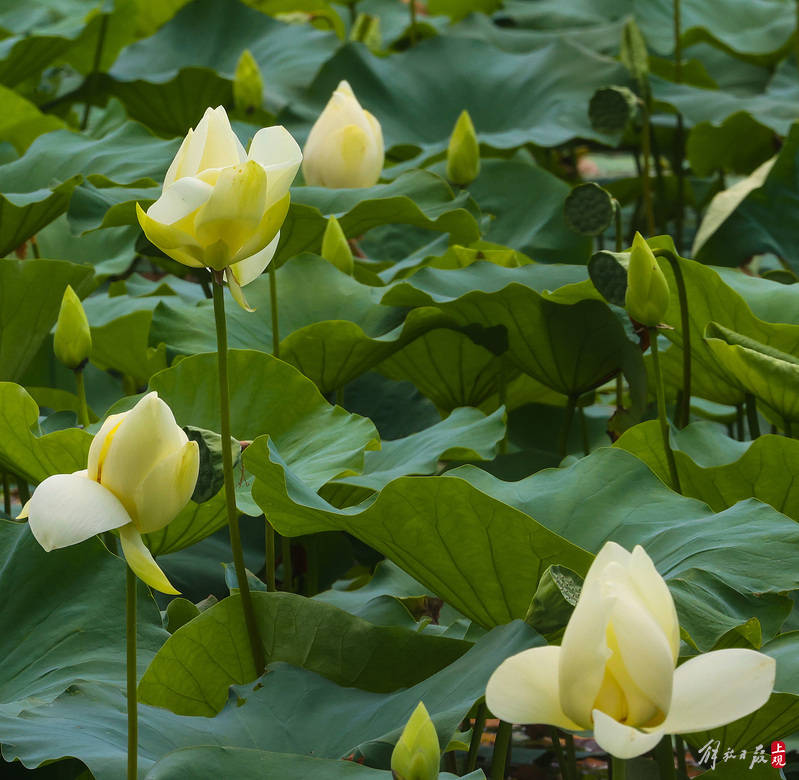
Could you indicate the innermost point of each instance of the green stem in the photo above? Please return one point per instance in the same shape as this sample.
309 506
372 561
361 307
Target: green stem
83 409
571 755
503 401
584 430
619 392
273 303
739 422
646 185
312 566
230 486
477 734
450 764
554 735
130 635
110 541
664 422
684 413
751 416
288 570
269 560
618 768
6 494
664 758
787 429
499 759
567 424
35 247
679 747
92 77
617 216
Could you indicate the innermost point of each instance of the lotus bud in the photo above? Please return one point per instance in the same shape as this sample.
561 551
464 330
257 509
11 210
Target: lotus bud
73 338
463 152
335 248
417 754
248 86
647 296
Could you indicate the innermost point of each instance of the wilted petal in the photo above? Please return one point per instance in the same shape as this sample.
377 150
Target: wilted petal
524 689
67 509
623 741
719 687
167 488
142 562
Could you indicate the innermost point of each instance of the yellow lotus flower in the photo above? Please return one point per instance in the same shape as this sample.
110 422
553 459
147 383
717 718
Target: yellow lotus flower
142 471
615 669
647 296
345 145
222 207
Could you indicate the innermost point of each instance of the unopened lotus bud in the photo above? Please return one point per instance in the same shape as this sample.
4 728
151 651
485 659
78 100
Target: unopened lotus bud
248 86
73 338
647 296
417 754
335 248
463 153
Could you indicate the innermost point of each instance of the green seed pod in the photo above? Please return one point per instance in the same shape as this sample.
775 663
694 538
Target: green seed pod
335 248
611 109
73 338
463 152
417 754
588 209
647 295
248 86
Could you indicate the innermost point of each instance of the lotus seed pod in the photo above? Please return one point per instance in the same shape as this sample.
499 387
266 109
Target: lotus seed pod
73 338
248 86
335 248
417 754
611 109
647 295
588 209
463 152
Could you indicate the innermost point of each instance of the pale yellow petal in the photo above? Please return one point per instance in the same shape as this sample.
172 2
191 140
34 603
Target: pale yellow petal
251 268
142 562
623 741
275 149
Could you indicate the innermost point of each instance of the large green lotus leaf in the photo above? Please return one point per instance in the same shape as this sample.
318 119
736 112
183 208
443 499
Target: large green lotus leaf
514 99
417 198
22 121
24 451
288 710
23 214
758 30
66 620
333 336
451 370
763 371
168 85
466 434
191 673
30 298
441 530
769 300
748 218
568 348
527 202
108 206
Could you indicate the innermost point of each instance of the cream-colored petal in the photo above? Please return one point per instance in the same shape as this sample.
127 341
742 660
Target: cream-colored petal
719 687
178 201
67 509
174 172
623 741
236 291
147 434
251 268
656 596
275 149
167 488
524 689
235 209
99 441
142 562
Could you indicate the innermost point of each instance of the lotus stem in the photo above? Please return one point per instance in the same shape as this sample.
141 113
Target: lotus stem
269 558
584 430
739 421
646 185
230 486
477 734
288 569
499 759
98 54
554 735
133 707
618 768
83 409
679 747
751 416
664 757
567 424
618 225
664 421
24 491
